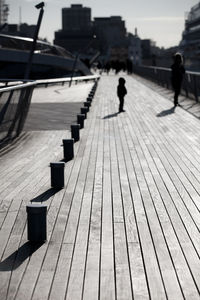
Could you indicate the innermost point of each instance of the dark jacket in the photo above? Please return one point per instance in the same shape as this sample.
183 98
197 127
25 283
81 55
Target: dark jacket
121 91
178 71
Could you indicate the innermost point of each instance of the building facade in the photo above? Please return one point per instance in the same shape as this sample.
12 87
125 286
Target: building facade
110 31
78 32
4 10
134 48
23 30
76 18
77 29
190 43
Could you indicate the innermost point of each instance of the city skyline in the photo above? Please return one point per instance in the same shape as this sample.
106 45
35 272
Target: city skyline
160 21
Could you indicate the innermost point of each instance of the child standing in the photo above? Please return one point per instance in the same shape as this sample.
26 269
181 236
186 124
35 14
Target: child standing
121 92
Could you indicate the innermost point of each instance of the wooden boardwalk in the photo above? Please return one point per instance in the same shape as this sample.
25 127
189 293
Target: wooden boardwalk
126 225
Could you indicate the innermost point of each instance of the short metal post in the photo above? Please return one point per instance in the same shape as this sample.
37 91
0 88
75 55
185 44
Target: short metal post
75 132
80 120
89 98
91 94
195 88
87 104
84 111
36 222
57 175
68 149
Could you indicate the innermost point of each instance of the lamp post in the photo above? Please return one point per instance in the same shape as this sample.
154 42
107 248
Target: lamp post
77 56
30 59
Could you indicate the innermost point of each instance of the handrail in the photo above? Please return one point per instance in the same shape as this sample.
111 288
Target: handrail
67 79
162 76
17 87
168 69
50 81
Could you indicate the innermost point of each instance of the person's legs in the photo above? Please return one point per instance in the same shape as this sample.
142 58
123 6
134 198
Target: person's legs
121 104
176 94
177 90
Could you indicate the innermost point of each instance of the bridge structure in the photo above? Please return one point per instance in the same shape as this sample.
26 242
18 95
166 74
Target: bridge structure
126 224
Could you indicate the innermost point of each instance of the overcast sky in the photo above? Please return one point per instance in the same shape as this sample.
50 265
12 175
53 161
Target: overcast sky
159 20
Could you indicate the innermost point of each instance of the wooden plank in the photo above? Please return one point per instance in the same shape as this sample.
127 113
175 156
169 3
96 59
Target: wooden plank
92 267
77 272
191 291
121 254
164 260
107 275
160 192
137 268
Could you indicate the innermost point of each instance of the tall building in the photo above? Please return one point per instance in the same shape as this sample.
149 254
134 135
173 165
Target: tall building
190 43
110 31
4 10
77 30
76 18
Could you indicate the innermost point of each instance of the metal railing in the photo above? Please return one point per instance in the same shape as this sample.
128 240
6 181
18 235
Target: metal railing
15 99
14 106
162 76
65 80
62 80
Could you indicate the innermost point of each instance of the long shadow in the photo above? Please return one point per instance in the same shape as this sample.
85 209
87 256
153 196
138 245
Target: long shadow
13 261
166 112
111 116
46 195
191 106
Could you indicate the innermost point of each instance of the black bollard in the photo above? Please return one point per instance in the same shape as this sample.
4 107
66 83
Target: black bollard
91 94
36 222
84 111
68 149
87 104
57 175
89 99
75 132
80 120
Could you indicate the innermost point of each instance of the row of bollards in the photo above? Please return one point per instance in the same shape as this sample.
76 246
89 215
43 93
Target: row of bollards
36 213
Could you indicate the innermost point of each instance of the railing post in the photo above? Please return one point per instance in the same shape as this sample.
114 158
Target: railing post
195 88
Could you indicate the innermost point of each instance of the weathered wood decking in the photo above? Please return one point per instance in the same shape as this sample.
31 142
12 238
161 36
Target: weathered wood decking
126 225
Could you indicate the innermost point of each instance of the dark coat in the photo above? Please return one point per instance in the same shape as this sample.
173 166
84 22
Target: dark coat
178 71
121 91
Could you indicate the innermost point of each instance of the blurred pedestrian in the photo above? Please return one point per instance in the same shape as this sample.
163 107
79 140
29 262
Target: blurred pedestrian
178 71
121 92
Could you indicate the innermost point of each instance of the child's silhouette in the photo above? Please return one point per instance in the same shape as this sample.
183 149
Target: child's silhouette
121 92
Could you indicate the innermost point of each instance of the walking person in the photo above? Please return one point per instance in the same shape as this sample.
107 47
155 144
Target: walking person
178 71
121 92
